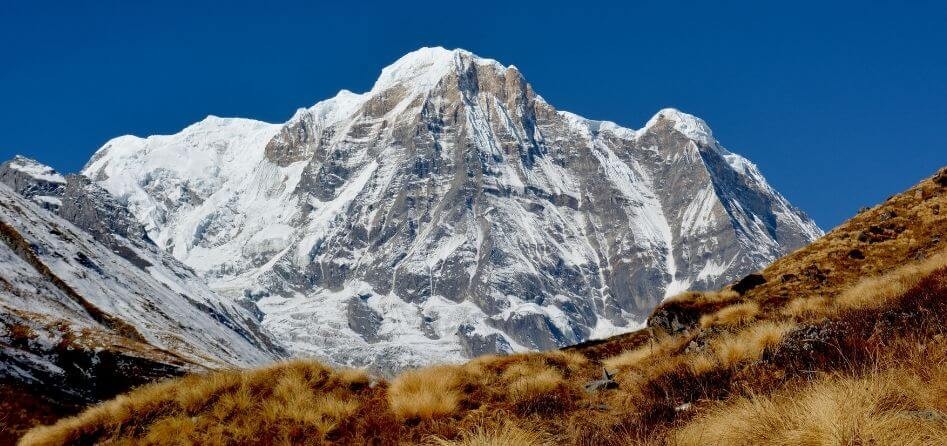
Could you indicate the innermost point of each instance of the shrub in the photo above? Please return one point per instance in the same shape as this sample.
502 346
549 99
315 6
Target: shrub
20 334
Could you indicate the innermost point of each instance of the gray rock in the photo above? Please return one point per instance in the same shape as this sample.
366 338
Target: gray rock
363 319
452 184
476 344
606 382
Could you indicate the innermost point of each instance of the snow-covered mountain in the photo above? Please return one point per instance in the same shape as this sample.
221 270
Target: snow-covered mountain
89 305
449 211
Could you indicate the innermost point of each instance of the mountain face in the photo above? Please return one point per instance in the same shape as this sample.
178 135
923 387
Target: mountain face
449 212
89 305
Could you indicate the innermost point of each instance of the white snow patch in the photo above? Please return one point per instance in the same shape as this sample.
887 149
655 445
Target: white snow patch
47 200
36 170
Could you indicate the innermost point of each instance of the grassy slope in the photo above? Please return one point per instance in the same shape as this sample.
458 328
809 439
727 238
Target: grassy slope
843 344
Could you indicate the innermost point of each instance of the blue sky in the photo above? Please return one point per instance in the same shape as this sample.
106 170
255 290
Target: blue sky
841 104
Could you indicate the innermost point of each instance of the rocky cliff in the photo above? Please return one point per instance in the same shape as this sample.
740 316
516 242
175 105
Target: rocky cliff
449 211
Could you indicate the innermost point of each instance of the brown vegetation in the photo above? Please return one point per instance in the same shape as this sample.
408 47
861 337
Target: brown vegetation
285 404
426 393
823 348
902 401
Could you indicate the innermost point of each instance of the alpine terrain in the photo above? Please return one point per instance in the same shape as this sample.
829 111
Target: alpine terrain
448 212
90 307
838 343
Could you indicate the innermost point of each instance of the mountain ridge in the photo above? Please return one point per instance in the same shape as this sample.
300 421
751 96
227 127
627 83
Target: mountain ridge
450 211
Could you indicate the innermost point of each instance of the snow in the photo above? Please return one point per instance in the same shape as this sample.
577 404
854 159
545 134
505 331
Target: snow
332 110
690 126
36 170
714 268
316 325
698 216
157 302
224 156
590 127
605 329
634 183
248 224
324 214
47 200
423 68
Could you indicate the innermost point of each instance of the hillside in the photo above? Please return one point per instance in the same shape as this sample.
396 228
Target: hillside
841 342
90 308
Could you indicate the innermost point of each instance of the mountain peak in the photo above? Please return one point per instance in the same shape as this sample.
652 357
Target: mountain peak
424 67
35 169
489 222
689 125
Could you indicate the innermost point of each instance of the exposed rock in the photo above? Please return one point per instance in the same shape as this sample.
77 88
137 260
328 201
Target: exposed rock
887 215
813 272
363 319
477 344
748 283
33 180
606 382
683 407
930 415
454 195
941 178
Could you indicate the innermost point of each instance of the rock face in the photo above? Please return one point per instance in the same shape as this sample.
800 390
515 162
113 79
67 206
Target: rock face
33 180
450 211
90 307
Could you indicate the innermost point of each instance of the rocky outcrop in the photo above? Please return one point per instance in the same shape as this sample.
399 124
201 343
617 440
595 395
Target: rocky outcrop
33 180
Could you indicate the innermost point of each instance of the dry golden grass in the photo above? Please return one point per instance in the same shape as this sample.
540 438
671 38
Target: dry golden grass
630 358
733 315
291 402
869 292
537 392
704 297
506 434
807 307
873 292
536 399
300 403
426 393
906 227
645 354
748 344
897 405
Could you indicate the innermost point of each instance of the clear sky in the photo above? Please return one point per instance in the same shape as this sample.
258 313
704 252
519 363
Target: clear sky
840 104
